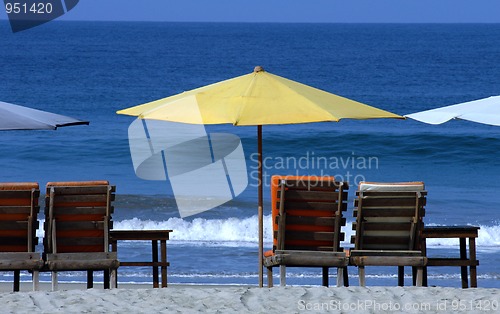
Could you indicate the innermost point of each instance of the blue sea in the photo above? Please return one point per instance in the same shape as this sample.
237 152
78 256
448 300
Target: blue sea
89 70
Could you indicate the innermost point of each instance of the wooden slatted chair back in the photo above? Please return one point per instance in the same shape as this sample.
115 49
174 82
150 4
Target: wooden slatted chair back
310 211
78 216
18 216
389 216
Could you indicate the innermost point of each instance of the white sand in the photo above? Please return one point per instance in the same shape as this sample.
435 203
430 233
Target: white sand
225 299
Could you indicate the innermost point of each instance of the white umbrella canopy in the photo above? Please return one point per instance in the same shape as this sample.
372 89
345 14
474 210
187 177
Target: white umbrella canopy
486 111
15 117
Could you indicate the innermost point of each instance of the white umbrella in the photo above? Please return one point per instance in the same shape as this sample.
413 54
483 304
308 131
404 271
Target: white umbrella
15 117
486 110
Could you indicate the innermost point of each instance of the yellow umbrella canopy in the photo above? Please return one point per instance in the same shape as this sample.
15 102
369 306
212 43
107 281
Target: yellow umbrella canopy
259 98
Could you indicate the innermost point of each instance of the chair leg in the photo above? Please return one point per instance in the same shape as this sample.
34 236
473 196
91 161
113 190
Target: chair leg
54 281
282 275
424 281
340 276
90 279
401 276
106 279
420 276
346 277
17 279
269 277
36 280
325 277
113 278
114 274
414 275
361 273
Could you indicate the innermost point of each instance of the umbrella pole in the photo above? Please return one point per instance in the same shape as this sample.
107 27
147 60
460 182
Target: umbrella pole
260 209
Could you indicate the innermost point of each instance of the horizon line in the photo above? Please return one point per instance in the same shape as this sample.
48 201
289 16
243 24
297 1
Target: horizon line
261 22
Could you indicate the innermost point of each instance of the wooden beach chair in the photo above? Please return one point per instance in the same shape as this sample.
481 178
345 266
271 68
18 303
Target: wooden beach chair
307 220
389 221
77 223
18 223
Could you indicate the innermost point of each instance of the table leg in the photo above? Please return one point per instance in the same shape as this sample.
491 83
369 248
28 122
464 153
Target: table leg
472 253
463 255
163 244
154 245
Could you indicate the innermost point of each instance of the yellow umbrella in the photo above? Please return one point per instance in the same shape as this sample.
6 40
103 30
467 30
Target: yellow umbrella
259 98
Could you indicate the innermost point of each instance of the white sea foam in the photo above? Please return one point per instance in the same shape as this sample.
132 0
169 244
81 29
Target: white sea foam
217 232
244 231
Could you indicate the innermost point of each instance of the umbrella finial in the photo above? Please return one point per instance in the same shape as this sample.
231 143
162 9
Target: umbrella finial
258 69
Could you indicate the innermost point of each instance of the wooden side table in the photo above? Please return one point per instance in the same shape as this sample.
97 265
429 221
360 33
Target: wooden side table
145 235
462 233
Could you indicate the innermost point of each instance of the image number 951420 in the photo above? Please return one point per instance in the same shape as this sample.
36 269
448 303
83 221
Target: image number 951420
26 14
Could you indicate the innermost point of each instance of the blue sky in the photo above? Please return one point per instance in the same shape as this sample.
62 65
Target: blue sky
324 11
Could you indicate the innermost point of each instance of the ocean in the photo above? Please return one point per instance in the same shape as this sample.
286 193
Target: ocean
89 70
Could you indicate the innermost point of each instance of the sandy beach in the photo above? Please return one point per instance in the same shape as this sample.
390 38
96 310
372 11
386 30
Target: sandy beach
244 299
